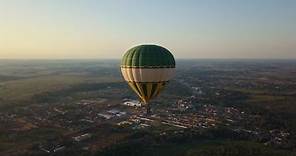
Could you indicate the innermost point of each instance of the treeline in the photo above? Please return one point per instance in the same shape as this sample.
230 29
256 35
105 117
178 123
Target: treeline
214 142
57 95
236 148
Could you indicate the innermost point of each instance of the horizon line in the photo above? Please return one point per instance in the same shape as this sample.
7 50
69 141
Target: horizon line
120 58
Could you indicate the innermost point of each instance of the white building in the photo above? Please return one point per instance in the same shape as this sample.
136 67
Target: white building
82 137
132 103
105 116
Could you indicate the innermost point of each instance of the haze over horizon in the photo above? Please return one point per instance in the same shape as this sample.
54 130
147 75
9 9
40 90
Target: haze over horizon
58 29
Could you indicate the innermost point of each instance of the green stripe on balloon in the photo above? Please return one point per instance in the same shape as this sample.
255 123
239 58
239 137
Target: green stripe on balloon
148 56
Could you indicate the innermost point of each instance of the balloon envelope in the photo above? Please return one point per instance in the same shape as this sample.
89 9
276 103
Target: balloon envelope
147 68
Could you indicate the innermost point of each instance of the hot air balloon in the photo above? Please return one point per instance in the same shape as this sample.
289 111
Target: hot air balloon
147 69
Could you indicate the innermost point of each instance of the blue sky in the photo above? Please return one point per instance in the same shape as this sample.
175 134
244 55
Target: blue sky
107 28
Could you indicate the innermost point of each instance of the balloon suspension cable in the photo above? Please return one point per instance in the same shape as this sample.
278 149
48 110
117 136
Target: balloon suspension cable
148 109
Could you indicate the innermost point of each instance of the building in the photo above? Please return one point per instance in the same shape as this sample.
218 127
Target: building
132 103
82 137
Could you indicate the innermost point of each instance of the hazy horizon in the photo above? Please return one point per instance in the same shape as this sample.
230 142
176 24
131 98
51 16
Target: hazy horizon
58 29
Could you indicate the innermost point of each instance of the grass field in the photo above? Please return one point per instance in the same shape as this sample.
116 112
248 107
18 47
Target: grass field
21 84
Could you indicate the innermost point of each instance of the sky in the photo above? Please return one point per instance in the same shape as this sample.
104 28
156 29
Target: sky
101 29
